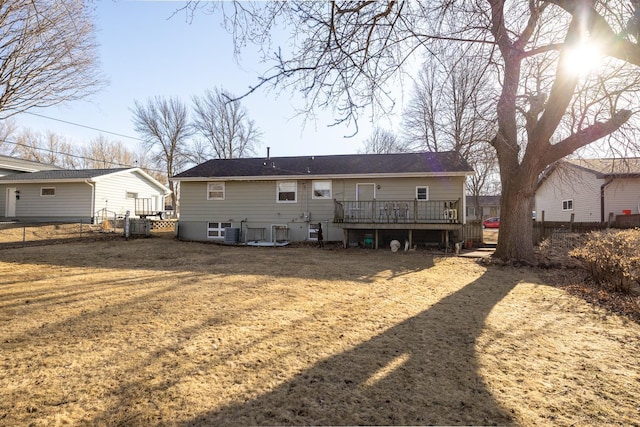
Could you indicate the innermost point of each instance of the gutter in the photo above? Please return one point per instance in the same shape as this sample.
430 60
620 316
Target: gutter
602 188
323 176
93 198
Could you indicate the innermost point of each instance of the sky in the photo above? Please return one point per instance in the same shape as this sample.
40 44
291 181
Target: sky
144 52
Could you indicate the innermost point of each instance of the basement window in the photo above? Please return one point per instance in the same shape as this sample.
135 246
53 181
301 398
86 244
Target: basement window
215 230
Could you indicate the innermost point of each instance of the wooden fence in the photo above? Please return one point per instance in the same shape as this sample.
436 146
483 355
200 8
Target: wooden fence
548 229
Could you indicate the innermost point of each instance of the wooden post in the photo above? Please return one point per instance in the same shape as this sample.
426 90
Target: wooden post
573 216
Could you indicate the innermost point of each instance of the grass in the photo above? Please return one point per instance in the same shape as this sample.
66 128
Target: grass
160 332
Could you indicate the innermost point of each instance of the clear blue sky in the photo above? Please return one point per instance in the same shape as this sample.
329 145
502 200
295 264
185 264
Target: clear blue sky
144 53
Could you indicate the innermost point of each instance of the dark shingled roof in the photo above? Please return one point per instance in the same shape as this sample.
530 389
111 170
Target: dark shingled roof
349 164
55 175
629 166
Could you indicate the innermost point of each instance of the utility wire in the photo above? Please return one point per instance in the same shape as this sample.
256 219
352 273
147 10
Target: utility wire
19 144
82 126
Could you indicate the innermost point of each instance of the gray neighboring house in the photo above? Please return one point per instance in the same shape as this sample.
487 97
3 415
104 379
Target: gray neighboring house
11 165
590 189
482 207
78 195
365 199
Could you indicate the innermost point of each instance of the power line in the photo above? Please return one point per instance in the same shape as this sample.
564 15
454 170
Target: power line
60 153
82 126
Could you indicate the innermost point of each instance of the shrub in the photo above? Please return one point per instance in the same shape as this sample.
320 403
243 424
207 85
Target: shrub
612 258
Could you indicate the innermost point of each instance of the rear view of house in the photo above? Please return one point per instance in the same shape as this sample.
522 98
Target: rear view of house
366 199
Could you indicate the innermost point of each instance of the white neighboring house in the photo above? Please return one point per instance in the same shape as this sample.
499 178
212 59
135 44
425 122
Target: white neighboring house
79 195
590 189
11 165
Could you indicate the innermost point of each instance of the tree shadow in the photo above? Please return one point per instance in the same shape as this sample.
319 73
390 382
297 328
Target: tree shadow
422 371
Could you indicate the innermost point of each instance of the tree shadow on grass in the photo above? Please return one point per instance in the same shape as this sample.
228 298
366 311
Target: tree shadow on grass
421 371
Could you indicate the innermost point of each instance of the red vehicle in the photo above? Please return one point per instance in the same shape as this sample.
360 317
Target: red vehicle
493 222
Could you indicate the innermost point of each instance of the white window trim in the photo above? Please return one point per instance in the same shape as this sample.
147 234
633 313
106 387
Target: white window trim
219 228
313 192
48 188
425 187
567 201
224 190
295 192
313 229
131 195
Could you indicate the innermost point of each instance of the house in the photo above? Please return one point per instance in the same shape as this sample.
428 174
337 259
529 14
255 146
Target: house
365 199
482 207
11 165
79 195
589 189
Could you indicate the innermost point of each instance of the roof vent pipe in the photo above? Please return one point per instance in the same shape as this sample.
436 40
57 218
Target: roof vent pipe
268 153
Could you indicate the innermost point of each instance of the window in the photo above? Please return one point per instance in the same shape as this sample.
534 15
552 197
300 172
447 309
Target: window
313 231
287 191
567 205
215 191
131 195
215 230
471 211
47 191
422 193
321 190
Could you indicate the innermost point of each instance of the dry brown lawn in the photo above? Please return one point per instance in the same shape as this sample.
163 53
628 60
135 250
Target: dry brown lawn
160 332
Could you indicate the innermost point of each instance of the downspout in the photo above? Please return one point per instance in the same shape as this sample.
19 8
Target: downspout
602 188
93 200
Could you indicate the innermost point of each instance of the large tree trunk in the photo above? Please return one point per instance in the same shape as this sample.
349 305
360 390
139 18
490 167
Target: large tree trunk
516 226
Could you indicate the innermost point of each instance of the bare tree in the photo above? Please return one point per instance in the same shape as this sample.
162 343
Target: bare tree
101 153
225 126
451 110
52 149
7 132
347 55
383 141
48 54
163 125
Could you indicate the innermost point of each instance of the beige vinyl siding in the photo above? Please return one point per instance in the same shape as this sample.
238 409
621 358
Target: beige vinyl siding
622 194
440 188
255 201
582 187
111 193
253 204
71 200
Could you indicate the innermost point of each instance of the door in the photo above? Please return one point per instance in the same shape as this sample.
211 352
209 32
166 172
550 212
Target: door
10 205
365 193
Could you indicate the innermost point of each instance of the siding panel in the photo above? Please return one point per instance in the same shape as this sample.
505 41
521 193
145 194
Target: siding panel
580 186
254 205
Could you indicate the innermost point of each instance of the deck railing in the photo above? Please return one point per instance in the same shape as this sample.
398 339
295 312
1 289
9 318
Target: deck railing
398 211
